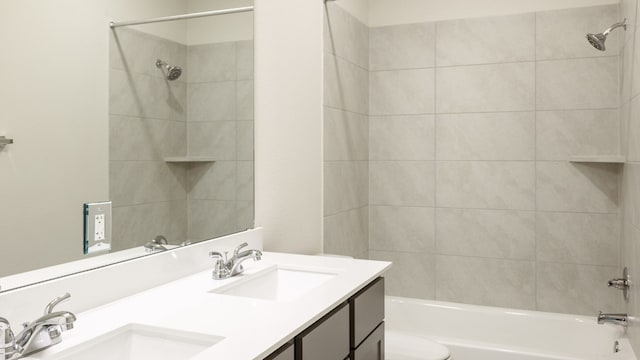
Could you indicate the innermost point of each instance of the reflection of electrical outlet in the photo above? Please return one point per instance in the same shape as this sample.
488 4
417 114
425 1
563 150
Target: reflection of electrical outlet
97 227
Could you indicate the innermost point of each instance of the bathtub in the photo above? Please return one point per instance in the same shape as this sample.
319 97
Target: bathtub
486 333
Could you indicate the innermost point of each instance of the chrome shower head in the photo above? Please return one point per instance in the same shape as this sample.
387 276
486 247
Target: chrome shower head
173 72
597 40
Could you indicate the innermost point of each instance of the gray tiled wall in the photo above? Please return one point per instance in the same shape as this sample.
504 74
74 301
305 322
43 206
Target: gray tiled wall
346 134
629 51
470 189
208 112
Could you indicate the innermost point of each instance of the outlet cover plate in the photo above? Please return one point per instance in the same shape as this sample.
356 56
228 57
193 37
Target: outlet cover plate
97 227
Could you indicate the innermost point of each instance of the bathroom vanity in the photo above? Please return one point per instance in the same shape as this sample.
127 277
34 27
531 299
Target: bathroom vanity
284 306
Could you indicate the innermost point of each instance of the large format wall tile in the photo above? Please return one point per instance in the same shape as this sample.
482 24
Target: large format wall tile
245 140
486 40
244 60
345 185
485 184
560 34
563 186
412 274
146 96
135 225
346 135
162 182
561 134
132 138
345 36
244 100
347 233
493 282
213 101
211 218
503 234
402 137
577 84
576 289
397 228
578 238
409 183
402 47
346 85
633 128
402 92
246 183
215 139
486 136
484 88
213 181
137 52
212 62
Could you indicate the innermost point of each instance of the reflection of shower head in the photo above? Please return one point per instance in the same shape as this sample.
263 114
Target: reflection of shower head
597 40
173 72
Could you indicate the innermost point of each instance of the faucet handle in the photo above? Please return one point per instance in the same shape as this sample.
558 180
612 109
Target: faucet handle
55 302
237 249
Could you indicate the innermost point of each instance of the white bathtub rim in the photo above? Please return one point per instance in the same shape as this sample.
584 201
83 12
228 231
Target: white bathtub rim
508 311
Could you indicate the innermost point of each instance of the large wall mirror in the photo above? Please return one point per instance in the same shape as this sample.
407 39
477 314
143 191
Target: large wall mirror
157 118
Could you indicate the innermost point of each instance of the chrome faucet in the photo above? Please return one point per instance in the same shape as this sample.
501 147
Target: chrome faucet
40 334
225 269
617 319
157 244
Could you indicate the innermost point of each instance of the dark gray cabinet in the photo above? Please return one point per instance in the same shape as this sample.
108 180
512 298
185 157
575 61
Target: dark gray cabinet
285 352
372 348
354 330
327 339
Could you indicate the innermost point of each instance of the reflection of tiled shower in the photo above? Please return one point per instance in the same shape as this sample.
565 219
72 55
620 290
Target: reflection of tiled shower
205 113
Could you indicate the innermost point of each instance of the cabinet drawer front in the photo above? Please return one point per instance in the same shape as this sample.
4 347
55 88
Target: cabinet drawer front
372 348
284 353
367 311
328 339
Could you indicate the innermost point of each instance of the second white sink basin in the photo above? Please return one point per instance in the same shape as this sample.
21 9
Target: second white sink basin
139 342
276 284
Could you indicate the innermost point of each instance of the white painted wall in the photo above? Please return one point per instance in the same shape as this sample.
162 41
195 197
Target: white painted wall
223 28
288 126
393 12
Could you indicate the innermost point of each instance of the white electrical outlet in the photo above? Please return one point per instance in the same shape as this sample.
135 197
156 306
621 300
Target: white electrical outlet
99 226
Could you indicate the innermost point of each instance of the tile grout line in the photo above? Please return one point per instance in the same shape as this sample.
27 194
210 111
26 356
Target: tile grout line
535 157
435 156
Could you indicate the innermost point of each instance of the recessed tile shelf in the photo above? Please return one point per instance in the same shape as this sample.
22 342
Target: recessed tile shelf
611 159
189 159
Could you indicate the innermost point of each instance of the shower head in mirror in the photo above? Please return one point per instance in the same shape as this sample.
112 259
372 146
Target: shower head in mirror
597 40
173 72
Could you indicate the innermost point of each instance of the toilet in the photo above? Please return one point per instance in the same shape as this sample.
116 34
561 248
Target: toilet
402 346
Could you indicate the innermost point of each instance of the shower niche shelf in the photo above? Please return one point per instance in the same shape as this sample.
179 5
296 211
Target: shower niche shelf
189 159
604 159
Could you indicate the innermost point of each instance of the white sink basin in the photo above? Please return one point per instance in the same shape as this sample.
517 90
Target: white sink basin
139 342
276 284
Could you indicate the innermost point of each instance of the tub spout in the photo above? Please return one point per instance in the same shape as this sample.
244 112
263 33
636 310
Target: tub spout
618 319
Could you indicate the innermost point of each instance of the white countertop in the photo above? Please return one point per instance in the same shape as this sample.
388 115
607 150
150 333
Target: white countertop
252 328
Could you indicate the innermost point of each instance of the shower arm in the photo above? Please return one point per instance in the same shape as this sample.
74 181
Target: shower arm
622 23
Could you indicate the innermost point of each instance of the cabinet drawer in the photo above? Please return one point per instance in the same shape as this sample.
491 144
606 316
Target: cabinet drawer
328 339
284 353
372 348
366 311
